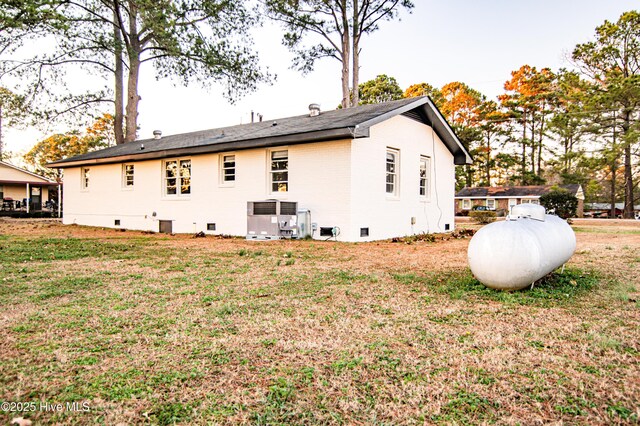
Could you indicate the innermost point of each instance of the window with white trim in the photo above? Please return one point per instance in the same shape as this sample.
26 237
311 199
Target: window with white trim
425 176
177 177
491 204
228 169
85 173
279 171
466 204
392 181
127 175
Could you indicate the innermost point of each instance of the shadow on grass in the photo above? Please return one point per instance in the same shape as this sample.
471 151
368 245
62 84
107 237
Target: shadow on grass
556 288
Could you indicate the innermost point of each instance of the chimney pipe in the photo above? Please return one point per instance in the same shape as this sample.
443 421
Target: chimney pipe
260 117
157 134
314 110
252 116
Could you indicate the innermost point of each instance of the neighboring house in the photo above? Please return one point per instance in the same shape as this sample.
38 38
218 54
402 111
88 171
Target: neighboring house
365 173
501 198
604 210
22 190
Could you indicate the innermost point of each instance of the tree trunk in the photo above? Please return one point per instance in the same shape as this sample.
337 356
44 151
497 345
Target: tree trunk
539 172
488 162
346 47
119 80
533 144
628 176
355 91
134 70
524 150
614 169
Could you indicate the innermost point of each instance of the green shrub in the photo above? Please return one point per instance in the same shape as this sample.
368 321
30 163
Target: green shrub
561 202
482 216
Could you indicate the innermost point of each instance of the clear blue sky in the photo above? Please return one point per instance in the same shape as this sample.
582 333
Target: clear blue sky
476 42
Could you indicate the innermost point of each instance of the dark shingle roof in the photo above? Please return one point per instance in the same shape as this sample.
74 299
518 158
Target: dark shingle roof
329 125
512 191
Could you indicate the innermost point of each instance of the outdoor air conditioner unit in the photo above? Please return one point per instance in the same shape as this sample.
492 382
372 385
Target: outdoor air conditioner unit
272 220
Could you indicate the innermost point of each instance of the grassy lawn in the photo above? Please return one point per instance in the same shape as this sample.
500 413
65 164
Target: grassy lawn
155 329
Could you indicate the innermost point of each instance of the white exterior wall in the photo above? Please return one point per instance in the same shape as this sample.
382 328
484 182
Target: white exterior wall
319 180
388 216
342 183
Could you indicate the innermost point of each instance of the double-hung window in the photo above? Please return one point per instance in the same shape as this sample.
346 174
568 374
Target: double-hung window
84 177
491 204
392 181
466 204
127 176
228 168
425 176
279 171
177 177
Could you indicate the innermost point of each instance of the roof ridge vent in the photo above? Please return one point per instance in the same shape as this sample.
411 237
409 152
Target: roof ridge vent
314 110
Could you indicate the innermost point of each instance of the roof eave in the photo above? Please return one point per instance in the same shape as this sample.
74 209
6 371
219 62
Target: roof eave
293 139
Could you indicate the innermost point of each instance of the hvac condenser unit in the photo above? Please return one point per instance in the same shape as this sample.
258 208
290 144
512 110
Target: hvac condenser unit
272 220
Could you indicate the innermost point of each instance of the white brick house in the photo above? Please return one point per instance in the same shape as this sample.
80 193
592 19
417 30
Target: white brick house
373 172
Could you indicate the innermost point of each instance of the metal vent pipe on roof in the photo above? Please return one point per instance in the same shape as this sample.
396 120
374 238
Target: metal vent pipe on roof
314 110
157 134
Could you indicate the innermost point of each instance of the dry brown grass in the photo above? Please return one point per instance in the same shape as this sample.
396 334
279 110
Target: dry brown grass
161 329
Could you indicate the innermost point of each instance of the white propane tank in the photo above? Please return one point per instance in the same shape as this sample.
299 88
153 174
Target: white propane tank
513 254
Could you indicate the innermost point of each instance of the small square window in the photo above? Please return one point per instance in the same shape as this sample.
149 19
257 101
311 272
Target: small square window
326 231
364 232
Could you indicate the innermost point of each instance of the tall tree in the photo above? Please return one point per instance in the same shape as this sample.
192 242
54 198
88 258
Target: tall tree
381 89
12 112
334 29
63 145
201 40
527 100
460 106
570 123
612 61
491 125
425 89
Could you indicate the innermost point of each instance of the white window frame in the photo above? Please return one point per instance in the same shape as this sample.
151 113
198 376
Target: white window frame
85 178
491 201
425 165
271 171
466 204
395 173
179 178
125 176
223 169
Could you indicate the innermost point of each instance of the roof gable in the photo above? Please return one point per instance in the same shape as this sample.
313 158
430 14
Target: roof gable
348 123
10 173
